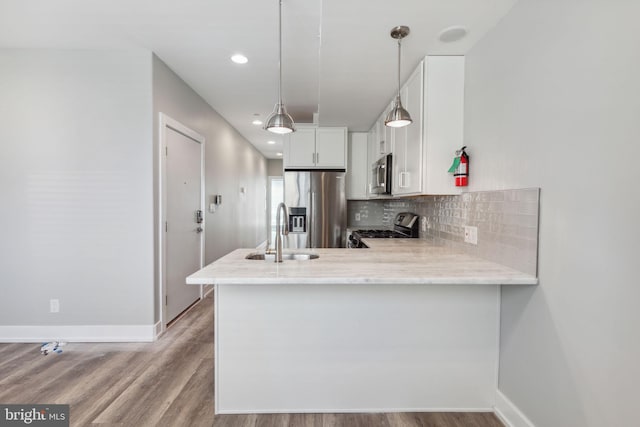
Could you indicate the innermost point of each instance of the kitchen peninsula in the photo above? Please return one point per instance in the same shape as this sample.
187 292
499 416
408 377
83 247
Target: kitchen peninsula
402 326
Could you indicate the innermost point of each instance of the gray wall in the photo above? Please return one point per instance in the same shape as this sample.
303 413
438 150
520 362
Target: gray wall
274 167
553 101
507 222
76 187
78 184
231 163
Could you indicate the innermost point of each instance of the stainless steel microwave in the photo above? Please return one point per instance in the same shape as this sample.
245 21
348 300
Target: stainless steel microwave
381 175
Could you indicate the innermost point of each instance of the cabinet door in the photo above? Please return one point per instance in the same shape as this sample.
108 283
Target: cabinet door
331 148
444 120
357 166
379 148
299 148
410 179
388 136
373 154
399 168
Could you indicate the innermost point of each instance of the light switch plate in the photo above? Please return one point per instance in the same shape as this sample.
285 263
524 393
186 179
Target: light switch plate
357 216
471 234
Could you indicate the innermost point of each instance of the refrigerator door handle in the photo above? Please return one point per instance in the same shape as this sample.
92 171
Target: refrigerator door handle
312 243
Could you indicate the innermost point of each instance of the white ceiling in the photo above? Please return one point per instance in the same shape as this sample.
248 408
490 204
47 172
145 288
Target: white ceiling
338 57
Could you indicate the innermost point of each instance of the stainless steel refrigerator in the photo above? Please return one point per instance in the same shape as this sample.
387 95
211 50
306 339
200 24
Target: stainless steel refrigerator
317 207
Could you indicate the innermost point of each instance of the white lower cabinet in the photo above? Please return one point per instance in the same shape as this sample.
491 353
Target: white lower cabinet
316 148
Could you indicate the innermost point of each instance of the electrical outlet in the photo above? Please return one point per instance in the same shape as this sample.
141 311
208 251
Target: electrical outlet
358 216
471 234
423 223
54 306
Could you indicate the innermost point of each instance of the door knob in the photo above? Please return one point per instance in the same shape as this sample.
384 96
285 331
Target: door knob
199 230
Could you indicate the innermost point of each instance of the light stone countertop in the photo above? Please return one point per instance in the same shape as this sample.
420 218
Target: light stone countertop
386 261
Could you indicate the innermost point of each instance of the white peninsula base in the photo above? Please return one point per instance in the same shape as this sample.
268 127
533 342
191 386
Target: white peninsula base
355 347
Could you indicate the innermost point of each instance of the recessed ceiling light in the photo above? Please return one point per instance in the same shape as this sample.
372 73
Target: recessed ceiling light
279 154
257 122
271 142
239 59
452 34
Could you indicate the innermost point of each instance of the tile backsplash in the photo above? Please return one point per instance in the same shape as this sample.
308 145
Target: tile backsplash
507 222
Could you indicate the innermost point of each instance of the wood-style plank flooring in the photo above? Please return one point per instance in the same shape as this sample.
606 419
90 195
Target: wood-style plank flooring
166 383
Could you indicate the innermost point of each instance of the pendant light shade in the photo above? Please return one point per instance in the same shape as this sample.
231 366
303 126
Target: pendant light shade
398 116
280 122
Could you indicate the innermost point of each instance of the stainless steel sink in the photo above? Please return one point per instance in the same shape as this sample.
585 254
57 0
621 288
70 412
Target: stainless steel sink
286 256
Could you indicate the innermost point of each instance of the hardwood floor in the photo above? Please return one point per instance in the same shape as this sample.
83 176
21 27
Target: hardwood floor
166 383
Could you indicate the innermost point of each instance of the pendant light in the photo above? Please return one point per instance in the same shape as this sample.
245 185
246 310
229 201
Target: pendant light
398 116
280 122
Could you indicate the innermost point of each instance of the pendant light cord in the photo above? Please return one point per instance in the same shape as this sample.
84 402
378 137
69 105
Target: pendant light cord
399 60
280 52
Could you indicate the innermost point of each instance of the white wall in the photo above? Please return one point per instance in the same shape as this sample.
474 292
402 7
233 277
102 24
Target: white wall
553 100
231 163
76 187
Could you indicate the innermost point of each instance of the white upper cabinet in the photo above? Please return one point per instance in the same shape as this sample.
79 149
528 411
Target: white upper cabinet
316 148
300 148
380 138
407 142
443 121
385 135
331 147
423 151
357 177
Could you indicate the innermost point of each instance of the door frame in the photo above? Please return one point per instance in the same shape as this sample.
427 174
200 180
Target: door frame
166 123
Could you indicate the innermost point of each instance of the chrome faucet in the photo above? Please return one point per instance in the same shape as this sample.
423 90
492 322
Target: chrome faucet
281 207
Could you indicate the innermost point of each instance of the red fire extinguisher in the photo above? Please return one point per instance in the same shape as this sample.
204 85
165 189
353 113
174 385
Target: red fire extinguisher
460 168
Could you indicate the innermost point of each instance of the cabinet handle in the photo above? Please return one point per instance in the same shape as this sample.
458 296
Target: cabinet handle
404 179
313 158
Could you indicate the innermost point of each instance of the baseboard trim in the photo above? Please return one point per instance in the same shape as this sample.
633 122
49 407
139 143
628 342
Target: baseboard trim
78 333
509 413
157 330
347 411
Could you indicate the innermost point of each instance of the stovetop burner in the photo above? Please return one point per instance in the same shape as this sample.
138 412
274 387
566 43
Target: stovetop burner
379 234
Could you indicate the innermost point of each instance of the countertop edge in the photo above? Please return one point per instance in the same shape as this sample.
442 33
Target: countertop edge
418 282
473 271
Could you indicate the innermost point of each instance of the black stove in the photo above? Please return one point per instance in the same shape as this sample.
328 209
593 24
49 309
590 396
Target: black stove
405 226
379 234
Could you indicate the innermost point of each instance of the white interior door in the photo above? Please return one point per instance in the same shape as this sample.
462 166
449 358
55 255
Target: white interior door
183 232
